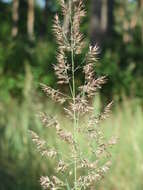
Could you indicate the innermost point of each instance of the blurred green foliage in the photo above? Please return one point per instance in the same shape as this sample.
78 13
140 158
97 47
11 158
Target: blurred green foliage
121 58
24 64
21 165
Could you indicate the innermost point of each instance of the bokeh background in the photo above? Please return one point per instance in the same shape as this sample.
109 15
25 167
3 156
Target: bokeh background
27 52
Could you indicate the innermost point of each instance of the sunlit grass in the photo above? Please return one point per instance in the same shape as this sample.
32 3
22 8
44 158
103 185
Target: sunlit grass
21 165
127 169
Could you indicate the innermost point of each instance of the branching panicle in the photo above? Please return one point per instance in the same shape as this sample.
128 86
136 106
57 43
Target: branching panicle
91 58
42 147
93 85
62 68
60 35
78 39
62 166
81 105
54 94
89 157
47 120
66 136
51 184
64 7
105 113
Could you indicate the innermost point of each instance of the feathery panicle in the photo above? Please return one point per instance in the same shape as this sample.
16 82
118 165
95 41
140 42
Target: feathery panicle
50 121
92 54
84 163
93 130
77 162
91 58
62 68
59 35
79 12
62 166
41 146
36 139
93 85
45 182
64 7
53 184
105 113
81 105
68 113
89 181
47 120
54 94
65 136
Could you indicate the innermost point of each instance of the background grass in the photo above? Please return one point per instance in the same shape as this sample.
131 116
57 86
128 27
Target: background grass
21 165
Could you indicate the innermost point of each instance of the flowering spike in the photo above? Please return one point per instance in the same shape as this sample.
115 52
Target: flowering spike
85 140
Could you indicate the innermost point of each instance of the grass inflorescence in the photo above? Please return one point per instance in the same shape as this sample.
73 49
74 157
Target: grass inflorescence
84 163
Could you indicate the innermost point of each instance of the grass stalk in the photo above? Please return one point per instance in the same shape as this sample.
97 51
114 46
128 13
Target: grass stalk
73 97
78 105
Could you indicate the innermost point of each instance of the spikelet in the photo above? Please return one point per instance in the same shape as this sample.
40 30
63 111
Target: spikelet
78 38
89 181
54 94
62 68
62 166
65 136
81 105
92 54
64 7
105 113
47 120
95 120
84 163
59 35
41 146
91 58
45 182
92 86
51 184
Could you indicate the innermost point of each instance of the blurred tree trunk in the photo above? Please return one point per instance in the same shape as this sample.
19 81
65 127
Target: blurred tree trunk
46 8
102 20
22 23
140 8
30 19
140 3
15 17
44 22
46 12
125 21
110 20
95 34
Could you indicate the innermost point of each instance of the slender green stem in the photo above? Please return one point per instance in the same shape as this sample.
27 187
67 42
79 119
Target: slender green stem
75 122
74 101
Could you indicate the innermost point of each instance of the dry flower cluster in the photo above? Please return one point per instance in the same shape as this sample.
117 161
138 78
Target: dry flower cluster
85 163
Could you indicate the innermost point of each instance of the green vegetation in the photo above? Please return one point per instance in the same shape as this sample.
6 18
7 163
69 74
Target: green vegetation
127 169
121 55
25 61
21 165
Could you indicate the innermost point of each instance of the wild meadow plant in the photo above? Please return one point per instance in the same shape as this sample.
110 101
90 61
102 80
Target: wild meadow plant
88 157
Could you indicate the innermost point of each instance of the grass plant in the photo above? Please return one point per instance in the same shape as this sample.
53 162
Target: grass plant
87 158
21 166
